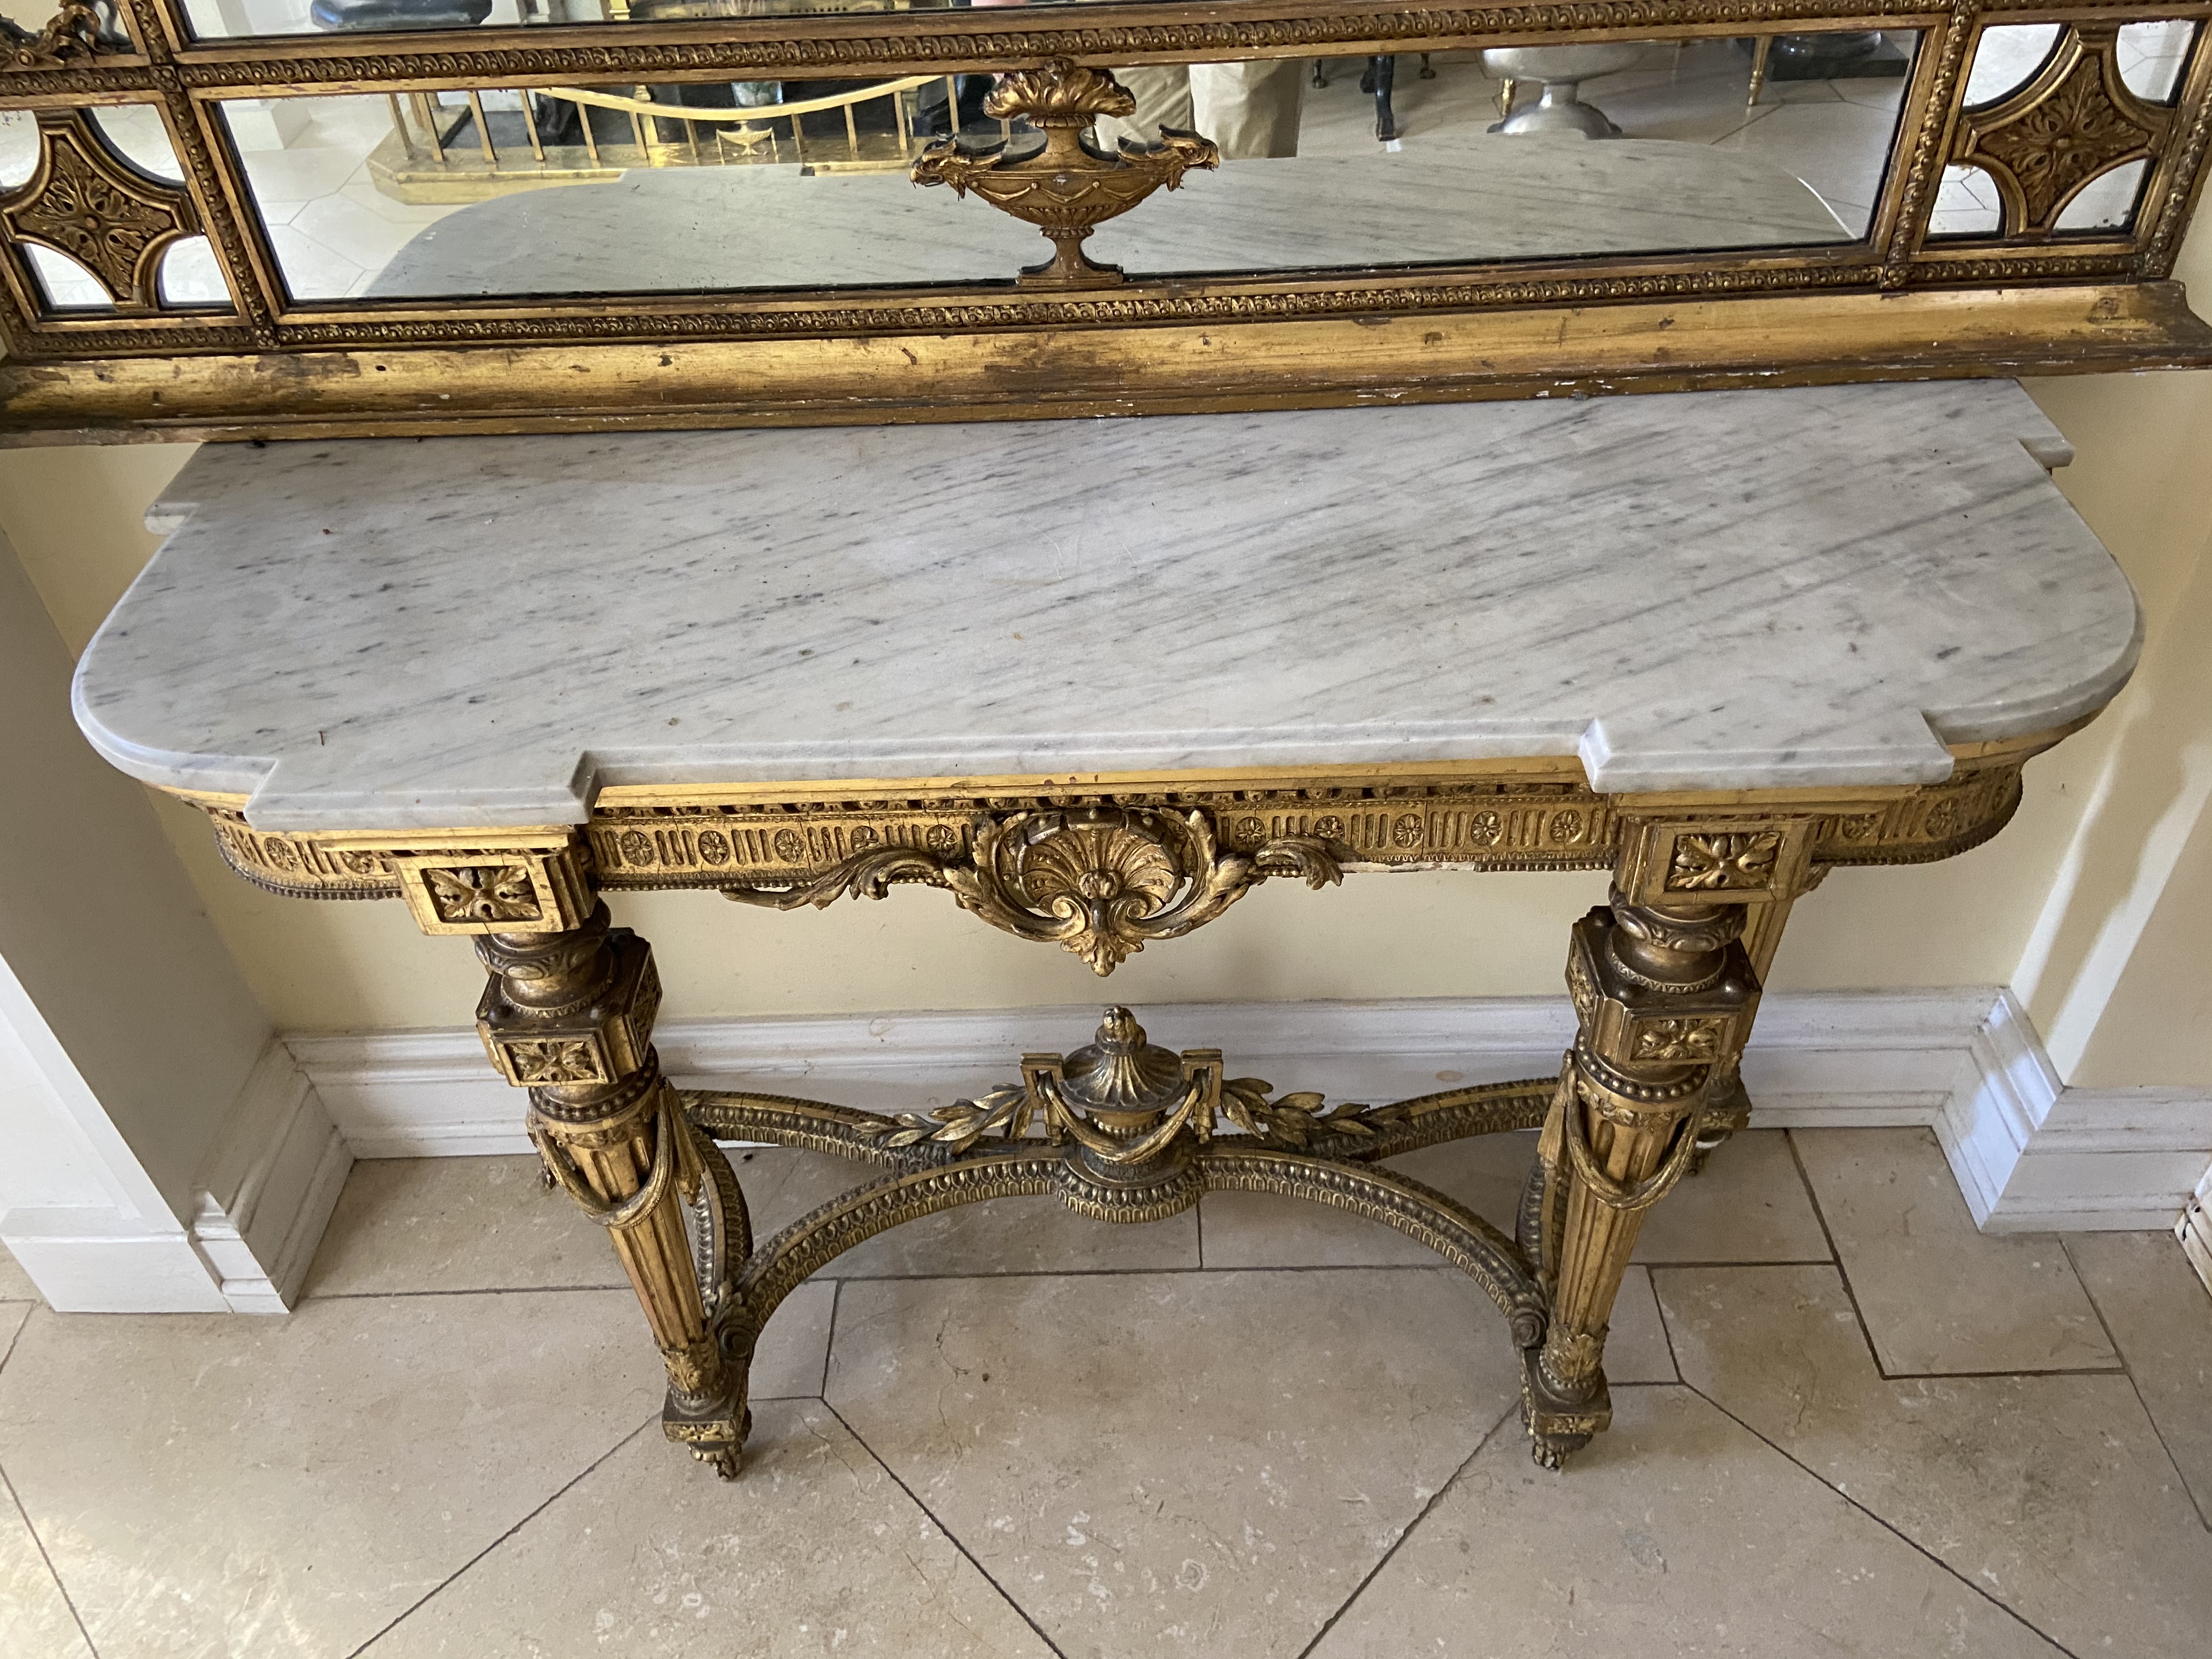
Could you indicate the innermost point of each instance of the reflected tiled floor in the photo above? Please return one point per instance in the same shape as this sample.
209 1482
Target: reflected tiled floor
1845 1423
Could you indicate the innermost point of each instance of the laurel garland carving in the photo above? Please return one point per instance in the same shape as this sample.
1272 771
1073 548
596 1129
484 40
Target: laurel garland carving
1027 39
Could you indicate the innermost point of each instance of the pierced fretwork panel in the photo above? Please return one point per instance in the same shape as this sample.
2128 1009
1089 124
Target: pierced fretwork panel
2066 131
91 227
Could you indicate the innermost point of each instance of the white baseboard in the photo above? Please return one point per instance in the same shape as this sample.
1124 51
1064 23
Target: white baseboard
261 1198
2028 1153
86 1259
2194 1229
267 1191
2032 1155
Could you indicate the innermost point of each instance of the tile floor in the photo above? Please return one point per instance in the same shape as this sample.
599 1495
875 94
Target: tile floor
1845 1423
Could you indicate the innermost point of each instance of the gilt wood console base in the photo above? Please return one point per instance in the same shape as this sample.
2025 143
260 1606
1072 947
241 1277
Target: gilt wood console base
1714 645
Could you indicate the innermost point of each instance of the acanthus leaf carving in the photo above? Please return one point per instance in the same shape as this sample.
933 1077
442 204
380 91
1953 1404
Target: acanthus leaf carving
485 893
1723 862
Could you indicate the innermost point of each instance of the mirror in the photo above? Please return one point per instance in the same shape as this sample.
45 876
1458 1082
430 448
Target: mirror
1326 164
211 19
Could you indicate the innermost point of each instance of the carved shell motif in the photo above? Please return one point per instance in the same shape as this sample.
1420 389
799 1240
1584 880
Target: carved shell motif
1108 871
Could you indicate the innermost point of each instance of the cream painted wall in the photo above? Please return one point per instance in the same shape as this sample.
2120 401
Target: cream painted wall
2145 445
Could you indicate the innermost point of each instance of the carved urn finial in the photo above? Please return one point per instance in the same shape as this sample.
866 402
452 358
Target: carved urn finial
1066 186
1123 1071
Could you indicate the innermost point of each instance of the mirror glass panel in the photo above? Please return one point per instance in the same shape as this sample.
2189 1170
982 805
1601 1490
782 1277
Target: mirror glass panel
2153 55
1344 163
218 19
2006 58
1966 204
2107 202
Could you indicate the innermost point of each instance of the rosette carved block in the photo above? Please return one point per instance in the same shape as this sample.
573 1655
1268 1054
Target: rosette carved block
1069 185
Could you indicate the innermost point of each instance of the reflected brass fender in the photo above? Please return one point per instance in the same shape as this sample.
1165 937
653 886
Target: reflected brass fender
1068 187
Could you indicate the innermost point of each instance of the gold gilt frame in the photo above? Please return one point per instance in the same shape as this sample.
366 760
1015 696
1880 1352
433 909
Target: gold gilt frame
1895 305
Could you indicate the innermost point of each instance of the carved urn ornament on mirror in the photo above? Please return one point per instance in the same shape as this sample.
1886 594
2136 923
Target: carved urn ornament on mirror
1069 184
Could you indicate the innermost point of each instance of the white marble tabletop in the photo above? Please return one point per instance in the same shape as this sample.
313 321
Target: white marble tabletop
1715 590
672 229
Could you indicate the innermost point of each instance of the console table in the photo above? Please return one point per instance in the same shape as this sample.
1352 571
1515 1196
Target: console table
1096 680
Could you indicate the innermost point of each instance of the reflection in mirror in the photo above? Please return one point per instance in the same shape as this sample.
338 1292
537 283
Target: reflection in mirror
28 20
221 19
67 285
135 132
190 275
19 146
1966 204
758 185
2107 202
2006 58
2152 57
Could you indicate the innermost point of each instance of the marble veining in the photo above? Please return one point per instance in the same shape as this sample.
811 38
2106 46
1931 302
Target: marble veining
1716 590
661 229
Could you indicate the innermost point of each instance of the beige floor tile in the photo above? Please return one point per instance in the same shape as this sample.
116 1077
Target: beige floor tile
1675 1533
793 1351
1176 1463
1259 1229
35 1620
2157 1311
1003 1235
457 1224
2051 1492
1636 1347
1748 1204
216 1484
15 1284
814 1550
1938 1296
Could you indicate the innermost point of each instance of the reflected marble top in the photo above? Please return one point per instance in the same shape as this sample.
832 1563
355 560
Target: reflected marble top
671 229
1709 591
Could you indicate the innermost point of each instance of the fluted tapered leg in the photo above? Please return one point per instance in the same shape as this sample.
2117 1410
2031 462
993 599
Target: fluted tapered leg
570 1016
1663 996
